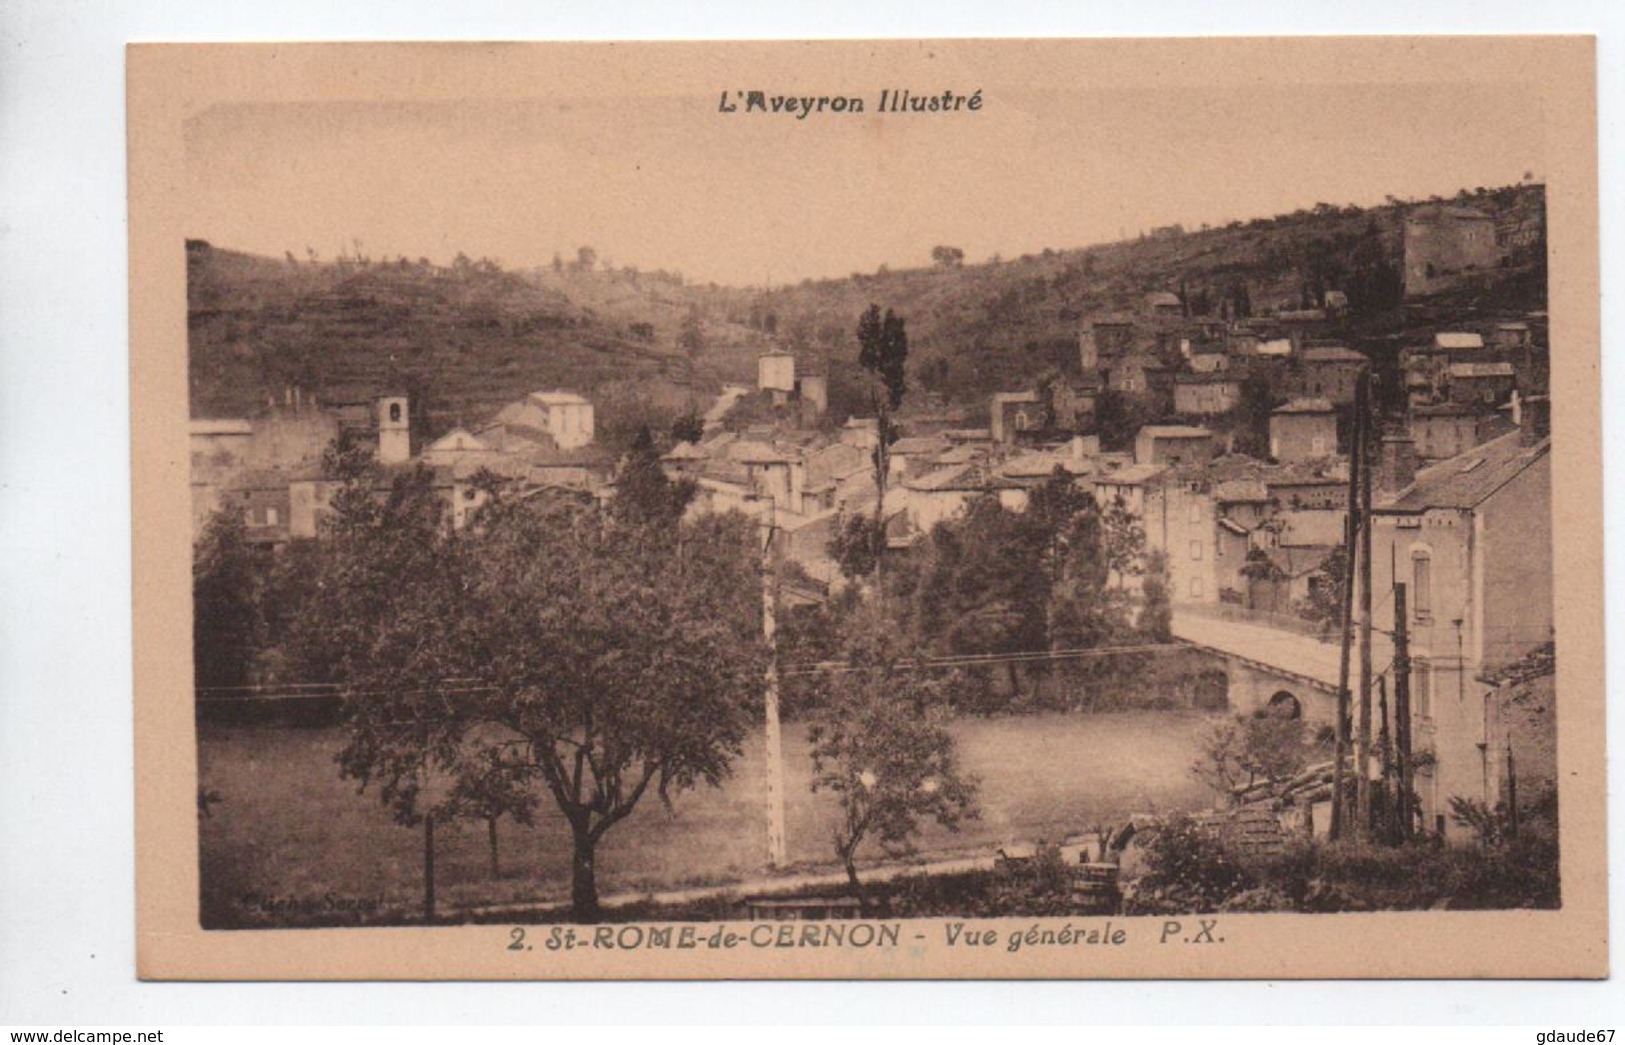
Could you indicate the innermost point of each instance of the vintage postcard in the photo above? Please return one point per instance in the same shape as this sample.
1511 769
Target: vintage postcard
906 509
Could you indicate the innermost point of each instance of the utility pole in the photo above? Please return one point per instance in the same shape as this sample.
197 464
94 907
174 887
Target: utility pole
427 789
428 868
1383 798
1362 739
774 753
1403 812
1351 530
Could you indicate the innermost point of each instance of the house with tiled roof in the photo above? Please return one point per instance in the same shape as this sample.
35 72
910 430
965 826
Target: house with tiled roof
1173 444
1470 540
1303 429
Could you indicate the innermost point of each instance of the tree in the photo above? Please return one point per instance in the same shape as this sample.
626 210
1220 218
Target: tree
985 585
1251 419
489 789
689 428
1259 568
881 746
692 336
601 657
947 257
1125 543
857 545
1325 603
1242 751
225 606
347 459
643 494
883 352
586 259
1156 611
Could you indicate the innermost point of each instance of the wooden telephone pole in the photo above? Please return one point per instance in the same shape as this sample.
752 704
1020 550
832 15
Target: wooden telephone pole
1362 740
1351 532
1404 814
774 740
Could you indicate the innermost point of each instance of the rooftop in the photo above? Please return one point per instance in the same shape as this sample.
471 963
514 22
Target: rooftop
1240 491
1312 405
1042 465
1481 370
753 452
1332 354
559 398
959 477
1133 475
1457 340
684 451
1468 479
919 444
1176 432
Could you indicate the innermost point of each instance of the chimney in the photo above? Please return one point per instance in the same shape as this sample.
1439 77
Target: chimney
1396 463
1534 419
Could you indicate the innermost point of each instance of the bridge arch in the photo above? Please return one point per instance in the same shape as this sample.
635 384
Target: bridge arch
1284 704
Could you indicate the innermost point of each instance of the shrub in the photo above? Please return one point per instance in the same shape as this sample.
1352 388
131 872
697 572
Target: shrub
1188 870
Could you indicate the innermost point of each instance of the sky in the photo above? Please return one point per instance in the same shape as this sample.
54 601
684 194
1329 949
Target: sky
751 199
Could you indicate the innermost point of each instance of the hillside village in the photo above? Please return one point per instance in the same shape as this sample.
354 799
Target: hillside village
1217 411
1227 432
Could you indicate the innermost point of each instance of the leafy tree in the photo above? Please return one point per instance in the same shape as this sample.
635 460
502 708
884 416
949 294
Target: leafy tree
1156 611
489 789
225 602
347 459
601 657
1247 749
881 746
1259 568
586 259
1250 421
857 545
689 428
691 338
985 584
947 257
1325 603
643 493
1125 543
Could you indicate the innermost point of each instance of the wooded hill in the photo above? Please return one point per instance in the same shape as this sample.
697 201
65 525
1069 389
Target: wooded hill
465 338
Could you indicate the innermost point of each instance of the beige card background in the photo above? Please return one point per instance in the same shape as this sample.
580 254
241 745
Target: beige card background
169 83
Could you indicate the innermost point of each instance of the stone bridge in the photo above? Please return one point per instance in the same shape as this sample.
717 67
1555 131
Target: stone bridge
1263 667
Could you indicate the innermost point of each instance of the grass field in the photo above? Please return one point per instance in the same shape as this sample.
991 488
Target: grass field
289 828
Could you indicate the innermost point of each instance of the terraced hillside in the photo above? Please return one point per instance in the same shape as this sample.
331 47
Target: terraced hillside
462 340
465 338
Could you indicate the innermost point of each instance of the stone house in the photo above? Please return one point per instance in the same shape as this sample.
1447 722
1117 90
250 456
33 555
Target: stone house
1328 372
1471 539
1303 430
1444 245
1206 395
1174 444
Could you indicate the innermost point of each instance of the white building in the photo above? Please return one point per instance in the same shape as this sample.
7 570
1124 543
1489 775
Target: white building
565 416
776 373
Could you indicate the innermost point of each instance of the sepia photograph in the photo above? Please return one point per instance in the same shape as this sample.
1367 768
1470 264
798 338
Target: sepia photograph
922 508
